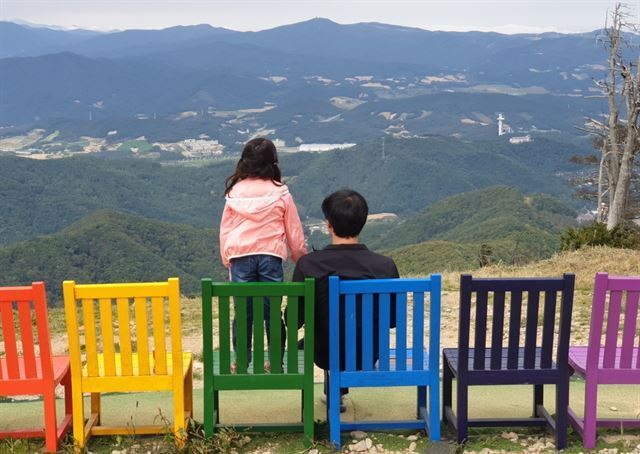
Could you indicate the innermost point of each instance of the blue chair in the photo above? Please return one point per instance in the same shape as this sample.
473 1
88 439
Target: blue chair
361 314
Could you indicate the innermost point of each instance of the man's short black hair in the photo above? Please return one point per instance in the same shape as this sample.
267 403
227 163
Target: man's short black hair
346 210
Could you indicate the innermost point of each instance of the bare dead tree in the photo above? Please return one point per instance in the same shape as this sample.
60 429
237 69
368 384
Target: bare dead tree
618 135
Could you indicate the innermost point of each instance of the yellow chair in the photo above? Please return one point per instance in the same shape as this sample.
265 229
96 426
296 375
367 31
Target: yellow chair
117 354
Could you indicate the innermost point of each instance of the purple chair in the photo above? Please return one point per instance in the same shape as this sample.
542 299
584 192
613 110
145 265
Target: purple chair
527 353
614 363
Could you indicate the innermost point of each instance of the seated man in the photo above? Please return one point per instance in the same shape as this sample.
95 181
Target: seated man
346 213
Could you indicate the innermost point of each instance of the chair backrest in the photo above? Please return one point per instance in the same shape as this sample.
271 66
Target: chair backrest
19 308
125 331
530 309
275 292
362 302
621 344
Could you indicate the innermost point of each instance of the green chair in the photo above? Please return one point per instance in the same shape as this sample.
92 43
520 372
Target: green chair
290 368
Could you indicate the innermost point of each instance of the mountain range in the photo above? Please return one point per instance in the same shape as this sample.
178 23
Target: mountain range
313 81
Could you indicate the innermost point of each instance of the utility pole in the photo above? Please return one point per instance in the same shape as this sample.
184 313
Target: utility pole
384 156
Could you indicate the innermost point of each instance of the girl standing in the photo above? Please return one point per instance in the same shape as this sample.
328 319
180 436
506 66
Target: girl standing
260 223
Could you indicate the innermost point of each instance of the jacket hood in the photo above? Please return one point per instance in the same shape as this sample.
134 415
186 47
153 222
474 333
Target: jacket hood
253 198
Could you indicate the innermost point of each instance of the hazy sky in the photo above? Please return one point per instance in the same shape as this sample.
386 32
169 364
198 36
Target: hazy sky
506 16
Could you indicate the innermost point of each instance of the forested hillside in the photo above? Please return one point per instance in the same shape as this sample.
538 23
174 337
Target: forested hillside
415 173
108 246
43 197
488 226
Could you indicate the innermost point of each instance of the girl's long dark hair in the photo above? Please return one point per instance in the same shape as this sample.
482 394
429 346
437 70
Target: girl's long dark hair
259 160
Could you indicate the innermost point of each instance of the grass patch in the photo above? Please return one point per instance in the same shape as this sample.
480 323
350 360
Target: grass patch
142 145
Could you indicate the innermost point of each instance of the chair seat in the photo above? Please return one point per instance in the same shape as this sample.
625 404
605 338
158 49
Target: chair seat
451 356
60 368
186 363
578 359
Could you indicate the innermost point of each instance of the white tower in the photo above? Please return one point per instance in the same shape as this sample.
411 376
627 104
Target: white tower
501 130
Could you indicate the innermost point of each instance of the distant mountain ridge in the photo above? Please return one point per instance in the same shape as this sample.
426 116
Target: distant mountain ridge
315 74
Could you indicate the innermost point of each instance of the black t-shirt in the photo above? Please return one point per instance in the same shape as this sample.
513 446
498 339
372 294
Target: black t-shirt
348 261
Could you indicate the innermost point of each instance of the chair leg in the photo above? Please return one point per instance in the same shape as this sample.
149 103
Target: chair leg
562 412
434 409
216 407
78 415
210 405
188 392
447 389
307 419
333 404
421 400
68 402
462 411
95 406
590 412
50 421
178 414
538 398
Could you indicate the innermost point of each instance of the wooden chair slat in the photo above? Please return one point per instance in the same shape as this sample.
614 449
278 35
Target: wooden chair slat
224 320
175 335
142 335
548 324
383 331
42 327
124 336
275 323
401 331
108 342
90 337
497 329
515 318
258 336
418 331
159 336
9 339
26 336
480 341
629 332
531 329
241 335
367 331
350 332
613 324
292 334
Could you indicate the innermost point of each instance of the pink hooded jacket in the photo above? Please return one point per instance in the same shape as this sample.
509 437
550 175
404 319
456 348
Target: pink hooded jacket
260 217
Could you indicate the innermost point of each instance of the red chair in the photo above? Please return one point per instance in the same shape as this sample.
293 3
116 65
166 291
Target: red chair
22 372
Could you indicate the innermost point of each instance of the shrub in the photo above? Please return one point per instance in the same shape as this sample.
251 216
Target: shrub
626 236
